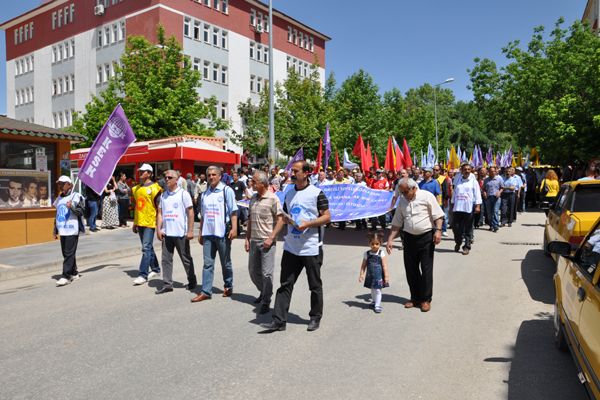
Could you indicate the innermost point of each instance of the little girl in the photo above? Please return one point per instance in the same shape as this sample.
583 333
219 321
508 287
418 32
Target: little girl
374 270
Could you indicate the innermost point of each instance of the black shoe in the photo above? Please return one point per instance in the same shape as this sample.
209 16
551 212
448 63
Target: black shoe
264 309
509 224
273 326
313 325
456 247
258 300
164 289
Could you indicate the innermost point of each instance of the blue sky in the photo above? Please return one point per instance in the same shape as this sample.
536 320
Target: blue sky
402 43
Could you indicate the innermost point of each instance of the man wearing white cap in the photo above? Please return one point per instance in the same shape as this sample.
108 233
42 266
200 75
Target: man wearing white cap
146 196
69 209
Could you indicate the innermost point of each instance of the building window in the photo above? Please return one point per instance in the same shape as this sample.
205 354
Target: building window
206 33
215 71
26 32
16 36
295 36
266 56
223 110
122 31
72 83
54 88
99 73
224 43
258 52
67 50
60 52
252 82
106 72
207 3
197 30
216 5
206 70
100 38
265 22
72 12
31 30
59 87
224 75
252 50
53 54
54 20
259 85
290 34
253 17
311 45
106 36
186 27
115 33
225 6
215 37
72 48
196 64
59 18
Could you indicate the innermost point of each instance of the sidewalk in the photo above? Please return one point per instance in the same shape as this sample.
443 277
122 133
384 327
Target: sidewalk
106 244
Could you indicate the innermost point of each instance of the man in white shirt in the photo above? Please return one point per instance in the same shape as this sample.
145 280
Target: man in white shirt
466 198
175 229
419 218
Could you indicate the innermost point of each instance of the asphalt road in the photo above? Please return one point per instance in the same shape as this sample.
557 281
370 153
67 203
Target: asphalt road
488 335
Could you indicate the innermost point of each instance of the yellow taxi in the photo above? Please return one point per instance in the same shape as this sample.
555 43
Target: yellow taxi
575 210
577 305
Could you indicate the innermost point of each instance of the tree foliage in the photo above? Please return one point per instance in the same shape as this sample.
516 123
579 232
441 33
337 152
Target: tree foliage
157 89
548 95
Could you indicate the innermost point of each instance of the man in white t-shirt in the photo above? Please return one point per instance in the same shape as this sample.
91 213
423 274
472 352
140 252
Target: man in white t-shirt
175 229
68 223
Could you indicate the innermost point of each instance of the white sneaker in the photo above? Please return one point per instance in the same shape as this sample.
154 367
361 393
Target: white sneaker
62 282
75 277
445 234
153 274
140 280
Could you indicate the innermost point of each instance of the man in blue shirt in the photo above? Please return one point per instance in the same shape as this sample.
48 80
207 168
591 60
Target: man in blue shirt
430 184
492 190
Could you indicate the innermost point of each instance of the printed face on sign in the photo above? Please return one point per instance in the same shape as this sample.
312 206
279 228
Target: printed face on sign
116 127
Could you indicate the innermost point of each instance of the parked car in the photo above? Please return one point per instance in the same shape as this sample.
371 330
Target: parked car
571 217
577 305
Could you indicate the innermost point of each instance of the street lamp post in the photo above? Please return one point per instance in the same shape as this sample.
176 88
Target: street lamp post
271 105
435 88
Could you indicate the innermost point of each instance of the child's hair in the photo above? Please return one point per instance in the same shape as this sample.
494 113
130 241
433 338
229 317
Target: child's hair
375 236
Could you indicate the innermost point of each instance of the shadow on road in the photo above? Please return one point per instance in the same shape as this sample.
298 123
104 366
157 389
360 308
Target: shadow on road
538 370
537 271
348 237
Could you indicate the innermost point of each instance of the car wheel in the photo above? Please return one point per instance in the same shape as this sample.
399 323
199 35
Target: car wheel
545 245
560 341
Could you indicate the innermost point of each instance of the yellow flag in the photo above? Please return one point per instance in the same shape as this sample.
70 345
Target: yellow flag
454 161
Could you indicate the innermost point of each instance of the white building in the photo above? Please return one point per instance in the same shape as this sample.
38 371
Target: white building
61 53
591 14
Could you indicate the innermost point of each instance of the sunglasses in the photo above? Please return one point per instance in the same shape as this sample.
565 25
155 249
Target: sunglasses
169 177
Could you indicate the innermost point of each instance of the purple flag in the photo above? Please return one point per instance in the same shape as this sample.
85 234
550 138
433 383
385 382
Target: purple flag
490 156
299 156
327 143
111 143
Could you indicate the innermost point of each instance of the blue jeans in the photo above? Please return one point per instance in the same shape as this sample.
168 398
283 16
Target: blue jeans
93 206
212 245
149 260
445 223
492 208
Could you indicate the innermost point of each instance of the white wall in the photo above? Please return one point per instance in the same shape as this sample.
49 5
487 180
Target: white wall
239 81
42 82
85 68
10 88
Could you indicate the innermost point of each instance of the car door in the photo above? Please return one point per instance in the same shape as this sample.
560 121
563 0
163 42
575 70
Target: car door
588 295
554 214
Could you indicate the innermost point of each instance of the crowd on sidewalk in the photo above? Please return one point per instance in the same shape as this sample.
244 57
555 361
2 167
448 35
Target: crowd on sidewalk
426 203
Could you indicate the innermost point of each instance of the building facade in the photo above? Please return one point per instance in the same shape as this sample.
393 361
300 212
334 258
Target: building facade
61 53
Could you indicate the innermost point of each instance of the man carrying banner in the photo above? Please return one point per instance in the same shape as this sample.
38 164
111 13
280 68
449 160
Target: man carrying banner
68 223
146 196
419 219
175 229
307 211
218 227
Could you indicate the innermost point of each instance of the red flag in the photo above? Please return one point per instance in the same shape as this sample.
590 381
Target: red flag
319 157
407 160
359 147
337 161
368 163
376 162
399 158
389 157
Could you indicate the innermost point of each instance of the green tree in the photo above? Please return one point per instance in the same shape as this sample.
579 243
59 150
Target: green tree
547 95
157 89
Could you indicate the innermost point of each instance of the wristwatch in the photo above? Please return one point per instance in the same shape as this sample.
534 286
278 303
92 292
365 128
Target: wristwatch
438 229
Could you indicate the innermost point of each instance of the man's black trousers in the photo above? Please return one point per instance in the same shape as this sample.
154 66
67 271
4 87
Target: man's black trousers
291 267
418 263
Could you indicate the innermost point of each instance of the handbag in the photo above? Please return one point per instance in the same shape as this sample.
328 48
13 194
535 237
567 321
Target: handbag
112 197
544 189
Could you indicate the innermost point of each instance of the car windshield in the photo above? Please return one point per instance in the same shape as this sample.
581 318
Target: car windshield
586 199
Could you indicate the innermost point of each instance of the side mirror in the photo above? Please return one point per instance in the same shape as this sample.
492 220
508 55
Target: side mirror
561 248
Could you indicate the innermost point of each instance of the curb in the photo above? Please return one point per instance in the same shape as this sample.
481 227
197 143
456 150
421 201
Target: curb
12 272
